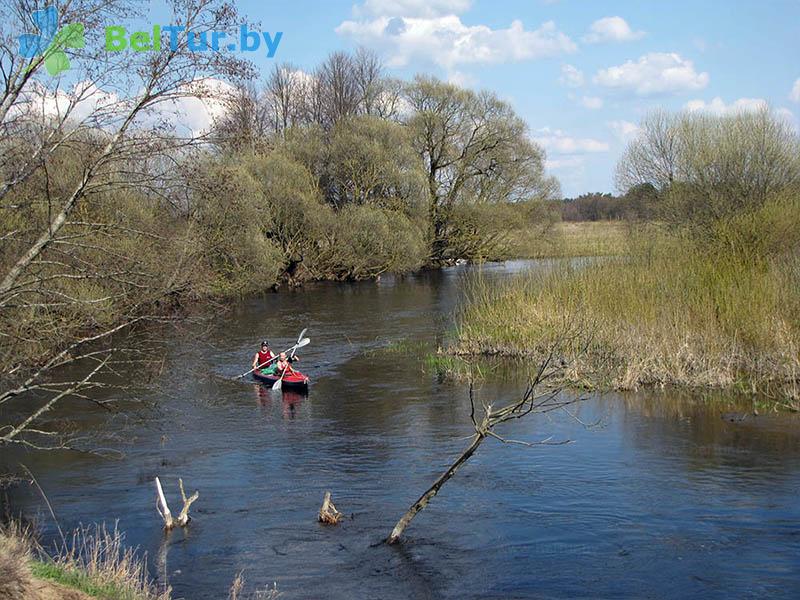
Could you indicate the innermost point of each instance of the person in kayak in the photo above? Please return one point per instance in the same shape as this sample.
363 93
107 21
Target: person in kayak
284 363
264 355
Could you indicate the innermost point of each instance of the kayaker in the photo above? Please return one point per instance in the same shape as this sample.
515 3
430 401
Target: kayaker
284 362
264 355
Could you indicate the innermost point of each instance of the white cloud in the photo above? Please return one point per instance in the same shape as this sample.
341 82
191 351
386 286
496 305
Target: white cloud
569 162
462 79
448 42
83 103
411 8
623 130
795 94
571 76
195 113
557 142
592 102
653 73
718 106
611 29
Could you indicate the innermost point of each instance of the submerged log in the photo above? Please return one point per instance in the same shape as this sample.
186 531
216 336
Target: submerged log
328 513
162 507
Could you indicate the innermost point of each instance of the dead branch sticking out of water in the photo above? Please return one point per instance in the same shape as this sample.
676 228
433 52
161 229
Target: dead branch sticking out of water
530 402
328 513
183 517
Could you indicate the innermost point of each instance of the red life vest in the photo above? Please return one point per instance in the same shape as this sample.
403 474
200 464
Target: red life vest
264 356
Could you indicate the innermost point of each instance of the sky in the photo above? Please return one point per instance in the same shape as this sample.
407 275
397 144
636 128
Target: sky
582 73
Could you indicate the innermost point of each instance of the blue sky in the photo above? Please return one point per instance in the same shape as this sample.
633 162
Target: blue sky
580 72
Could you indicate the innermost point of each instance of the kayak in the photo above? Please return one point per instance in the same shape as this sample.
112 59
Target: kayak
292 381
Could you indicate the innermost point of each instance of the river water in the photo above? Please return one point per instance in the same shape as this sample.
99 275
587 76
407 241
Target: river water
661 497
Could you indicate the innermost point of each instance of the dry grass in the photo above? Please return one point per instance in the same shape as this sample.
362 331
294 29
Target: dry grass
565 239
676 312
93 562
16 580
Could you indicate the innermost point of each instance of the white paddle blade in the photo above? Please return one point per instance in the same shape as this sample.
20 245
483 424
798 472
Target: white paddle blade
277 385
303 342
302 333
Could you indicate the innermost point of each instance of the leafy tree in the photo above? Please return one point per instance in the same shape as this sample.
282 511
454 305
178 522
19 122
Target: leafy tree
474 149
708 167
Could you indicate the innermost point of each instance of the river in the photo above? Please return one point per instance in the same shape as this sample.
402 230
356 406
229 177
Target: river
662 496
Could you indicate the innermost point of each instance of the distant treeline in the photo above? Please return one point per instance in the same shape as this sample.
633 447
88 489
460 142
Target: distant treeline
637 204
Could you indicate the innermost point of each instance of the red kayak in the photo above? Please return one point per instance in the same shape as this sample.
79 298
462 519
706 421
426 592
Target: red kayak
294 380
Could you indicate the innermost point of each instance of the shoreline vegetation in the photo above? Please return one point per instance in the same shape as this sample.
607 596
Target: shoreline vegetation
706 296
92 563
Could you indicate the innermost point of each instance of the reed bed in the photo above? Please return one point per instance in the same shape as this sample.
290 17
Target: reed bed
709 311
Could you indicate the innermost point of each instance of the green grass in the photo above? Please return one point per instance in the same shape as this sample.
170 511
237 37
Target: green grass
590 238
93 560
81 581
714 312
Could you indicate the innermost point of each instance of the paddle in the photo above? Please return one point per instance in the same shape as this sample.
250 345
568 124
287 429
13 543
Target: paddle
278 384
300 343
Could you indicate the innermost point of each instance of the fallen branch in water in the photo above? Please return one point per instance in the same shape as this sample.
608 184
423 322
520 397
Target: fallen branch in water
530 402
163 508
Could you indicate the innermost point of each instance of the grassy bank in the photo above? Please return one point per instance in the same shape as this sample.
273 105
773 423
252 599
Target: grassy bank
564 239
710 312
92 564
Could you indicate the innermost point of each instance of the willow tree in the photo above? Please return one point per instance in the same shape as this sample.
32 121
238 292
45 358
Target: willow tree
706 167
370 161
475 149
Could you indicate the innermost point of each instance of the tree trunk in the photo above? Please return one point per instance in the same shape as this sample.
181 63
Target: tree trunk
433 490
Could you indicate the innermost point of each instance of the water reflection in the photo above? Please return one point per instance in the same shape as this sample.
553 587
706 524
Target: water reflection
288 400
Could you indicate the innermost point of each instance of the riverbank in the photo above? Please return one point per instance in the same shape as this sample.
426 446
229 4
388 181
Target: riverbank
93 564
678 311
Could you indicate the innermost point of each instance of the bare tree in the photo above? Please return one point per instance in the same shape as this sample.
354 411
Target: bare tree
390 102
284 92
63 262
653 156
705 166
246 123
368 79
338 86
24 94
532 402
